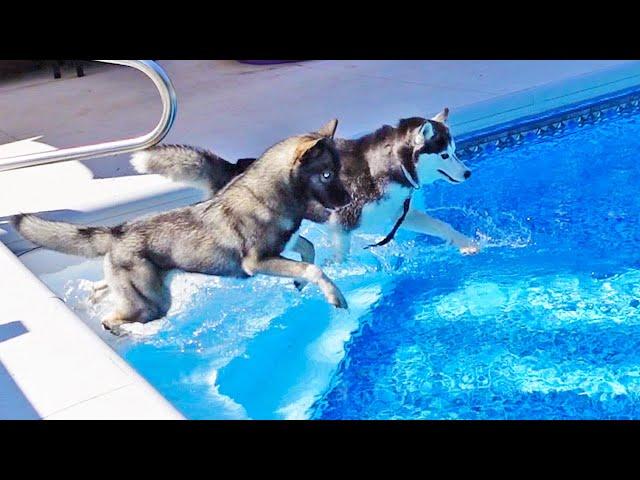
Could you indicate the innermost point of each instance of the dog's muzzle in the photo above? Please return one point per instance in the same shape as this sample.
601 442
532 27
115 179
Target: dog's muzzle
338 199
466 174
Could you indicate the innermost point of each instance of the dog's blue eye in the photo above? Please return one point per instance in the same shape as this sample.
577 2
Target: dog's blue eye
445 155
326 175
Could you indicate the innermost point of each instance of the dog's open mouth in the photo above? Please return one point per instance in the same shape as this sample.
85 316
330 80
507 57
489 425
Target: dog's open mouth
448 176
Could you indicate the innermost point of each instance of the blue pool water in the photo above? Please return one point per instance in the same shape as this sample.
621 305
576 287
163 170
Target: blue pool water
543 323
544 326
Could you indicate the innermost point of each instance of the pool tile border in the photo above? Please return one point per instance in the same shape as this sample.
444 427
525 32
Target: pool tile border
552 123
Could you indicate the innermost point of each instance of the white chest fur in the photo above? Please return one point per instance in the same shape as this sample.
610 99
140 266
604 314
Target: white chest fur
381 216
377 218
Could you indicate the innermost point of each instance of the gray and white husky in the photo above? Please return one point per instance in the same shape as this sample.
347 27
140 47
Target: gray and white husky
240 232
380 171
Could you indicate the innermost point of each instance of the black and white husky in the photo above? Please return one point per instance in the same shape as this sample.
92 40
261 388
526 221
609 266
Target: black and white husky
380 171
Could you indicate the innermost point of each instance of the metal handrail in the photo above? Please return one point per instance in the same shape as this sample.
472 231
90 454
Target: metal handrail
169 105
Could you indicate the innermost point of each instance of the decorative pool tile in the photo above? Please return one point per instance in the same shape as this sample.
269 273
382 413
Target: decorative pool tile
555 123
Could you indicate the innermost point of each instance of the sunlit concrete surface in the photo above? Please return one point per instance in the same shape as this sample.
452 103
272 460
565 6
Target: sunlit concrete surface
240 109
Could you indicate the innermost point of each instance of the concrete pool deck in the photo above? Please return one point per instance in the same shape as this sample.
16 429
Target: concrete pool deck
46 366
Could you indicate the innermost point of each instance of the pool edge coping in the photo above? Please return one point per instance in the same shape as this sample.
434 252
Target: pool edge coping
40 312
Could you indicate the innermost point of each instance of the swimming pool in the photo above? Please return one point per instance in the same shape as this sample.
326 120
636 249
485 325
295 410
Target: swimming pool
543 323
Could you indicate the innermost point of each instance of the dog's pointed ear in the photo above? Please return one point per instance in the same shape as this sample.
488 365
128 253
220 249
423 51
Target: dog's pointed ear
309 149
329 129
424 133
443 116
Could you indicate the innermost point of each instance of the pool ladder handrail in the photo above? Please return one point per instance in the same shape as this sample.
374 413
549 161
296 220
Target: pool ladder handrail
169 106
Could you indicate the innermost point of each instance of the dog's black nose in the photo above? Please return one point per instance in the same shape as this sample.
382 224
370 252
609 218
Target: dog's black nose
467 174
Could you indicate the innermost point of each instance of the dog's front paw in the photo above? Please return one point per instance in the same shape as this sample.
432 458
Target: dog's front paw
466 245
470 249
336 299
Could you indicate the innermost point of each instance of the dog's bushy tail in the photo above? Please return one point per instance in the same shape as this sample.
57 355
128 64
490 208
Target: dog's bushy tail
64 237
183 163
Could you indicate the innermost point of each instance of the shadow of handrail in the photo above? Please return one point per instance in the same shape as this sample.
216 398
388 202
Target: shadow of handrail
14 405
11 330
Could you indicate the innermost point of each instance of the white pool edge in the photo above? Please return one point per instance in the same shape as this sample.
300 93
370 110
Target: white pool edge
538 100
104 386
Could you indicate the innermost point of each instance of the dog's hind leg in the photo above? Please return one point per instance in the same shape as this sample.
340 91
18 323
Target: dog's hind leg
147 279
307 253
283 267
98 292
139 291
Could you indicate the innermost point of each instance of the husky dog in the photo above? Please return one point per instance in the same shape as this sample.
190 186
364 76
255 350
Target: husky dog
240 232
380 170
